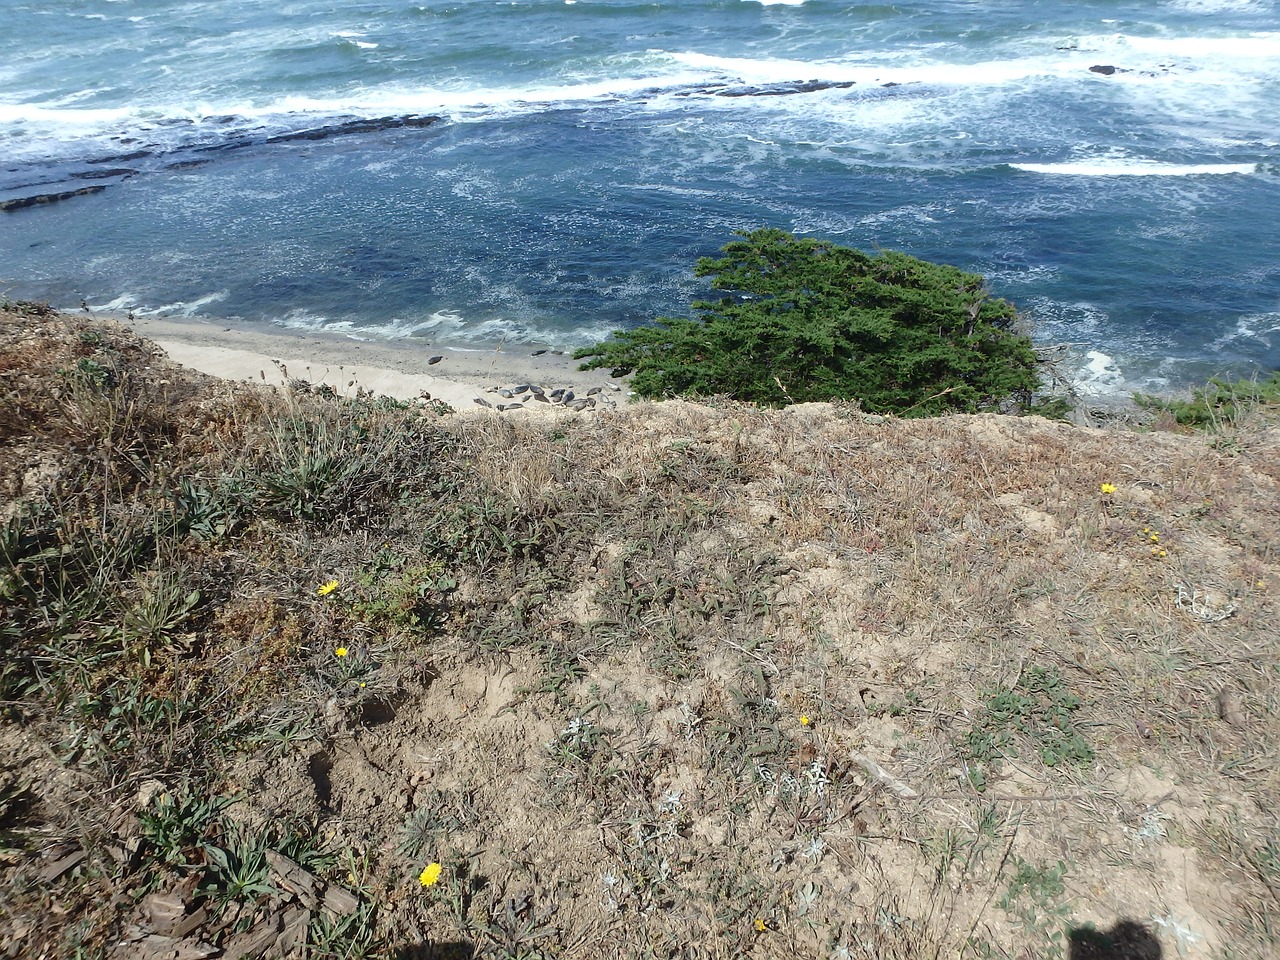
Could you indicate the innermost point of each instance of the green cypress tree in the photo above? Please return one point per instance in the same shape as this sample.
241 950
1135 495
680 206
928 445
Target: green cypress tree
809 320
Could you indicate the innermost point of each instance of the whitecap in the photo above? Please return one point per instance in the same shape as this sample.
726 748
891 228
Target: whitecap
1118 167
184 308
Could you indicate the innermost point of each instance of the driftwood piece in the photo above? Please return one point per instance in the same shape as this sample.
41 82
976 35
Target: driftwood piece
255 941
884 776
154 946
311 891
63 865
191 923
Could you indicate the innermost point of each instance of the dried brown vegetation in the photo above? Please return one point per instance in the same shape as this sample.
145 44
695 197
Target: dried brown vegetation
675 681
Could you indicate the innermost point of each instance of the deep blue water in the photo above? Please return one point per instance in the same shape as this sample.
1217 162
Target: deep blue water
586 153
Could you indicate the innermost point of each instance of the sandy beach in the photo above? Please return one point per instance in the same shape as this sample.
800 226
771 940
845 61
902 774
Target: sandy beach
463 375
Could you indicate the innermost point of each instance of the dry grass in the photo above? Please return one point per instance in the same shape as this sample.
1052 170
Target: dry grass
677 681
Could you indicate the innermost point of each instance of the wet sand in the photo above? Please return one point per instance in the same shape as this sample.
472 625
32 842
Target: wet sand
464 373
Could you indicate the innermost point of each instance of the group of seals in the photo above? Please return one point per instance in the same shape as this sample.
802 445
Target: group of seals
564 396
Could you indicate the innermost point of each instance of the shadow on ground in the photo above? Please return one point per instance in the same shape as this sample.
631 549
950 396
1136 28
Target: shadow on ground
1127 940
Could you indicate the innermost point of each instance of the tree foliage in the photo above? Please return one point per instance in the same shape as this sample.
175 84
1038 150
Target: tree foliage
809 320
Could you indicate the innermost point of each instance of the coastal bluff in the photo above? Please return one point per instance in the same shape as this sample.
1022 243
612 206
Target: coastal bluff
303 668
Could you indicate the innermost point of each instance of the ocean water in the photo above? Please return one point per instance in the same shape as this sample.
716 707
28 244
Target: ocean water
548 170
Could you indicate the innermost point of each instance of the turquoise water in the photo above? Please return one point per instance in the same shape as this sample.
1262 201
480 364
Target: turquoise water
583 154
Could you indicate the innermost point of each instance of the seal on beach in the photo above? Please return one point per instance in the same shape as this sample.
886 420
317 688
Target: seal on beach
434 359
483 402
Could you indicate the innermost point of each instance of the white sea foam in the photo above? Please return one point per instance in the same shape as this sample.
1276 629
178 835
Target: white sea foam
1176 69
1263 328
1122 167
184 308
1099 376
447 325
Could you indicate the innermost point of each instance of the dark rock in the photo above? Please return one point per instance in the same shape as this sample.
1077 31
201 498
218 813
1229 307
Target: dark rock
103 174
1103 68
121 157
351 127
784 89
21 203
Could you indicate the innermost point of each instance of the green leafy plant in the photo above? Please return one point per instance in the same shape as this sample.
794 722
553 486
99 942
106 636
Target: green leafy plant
237 868
808 320
176 823
1035 901
1039 709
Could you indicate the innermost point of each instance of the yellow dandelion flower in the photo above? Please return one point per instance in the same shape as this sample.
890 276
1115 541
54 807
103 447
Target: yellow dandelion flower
1164 553
1108 489
1155 538
430 874
327 588
760 925
805 721
341 652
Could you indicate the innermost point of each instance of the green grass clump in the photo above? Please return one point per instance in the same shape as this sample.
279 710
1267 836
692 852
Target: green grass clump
1220 402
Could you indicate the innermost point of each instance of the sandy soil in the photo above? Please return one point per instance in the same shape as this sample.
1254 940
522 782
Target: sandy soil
464 375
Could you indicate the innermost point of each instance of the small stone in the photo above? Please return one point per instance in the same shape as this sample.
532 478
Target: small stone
1230 708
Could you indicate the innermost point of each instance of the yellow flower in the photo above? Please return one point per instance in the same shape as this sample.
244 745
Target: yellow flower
1108 488
805 721
327 588
341 652
760 925
430 874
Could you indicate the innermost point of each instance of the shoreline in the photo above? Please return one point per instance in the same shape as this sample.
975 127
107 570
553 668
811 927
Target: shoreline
463 374
466 376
